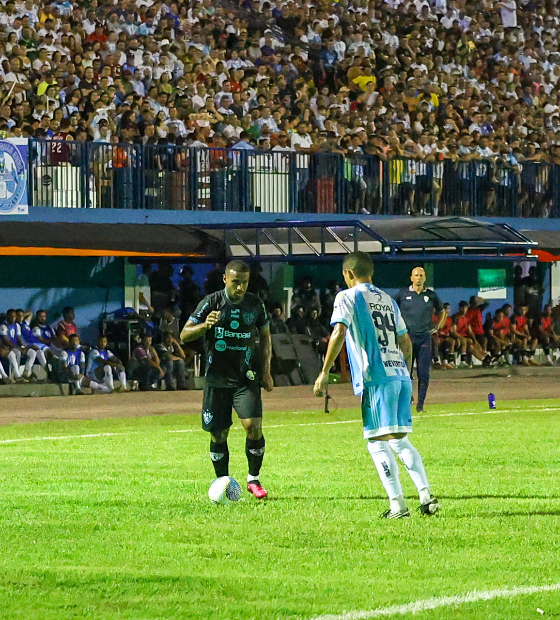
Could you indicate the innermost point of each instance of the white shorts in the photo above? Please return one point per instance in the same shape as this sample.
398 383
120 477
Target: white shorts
386 409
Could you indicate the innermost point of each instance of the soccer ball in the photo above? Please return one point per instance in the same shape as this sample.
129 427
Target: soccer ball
224 490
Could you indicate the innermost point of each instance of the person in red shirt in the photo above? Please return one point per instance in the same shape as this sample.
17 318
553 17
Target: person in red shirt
66 326
524 344
499 337
476 306
443 343
546 335
461 332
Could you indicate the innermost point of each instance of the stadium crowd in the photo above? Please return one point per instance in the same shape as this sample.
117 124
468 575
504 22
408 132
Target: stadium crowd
430 81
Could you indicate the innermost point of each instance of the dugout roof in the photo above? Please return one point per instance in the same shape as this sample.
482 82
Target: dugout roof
317 239
387 239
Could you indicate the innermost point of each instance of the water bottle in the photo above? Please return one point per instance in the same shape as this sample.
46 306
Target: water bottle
491 401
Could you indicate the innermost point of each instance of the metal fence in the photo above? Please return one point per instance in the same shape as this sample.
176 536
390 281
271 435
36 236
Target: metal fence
133 176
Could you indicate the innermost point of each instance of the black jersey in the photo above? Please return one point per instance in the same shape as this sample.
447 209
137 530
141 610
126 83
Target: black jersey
231 358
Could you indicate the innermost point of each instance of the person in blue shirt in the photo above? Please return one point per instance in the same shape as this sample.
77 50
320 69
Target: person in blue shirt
101 364
380 355
74 364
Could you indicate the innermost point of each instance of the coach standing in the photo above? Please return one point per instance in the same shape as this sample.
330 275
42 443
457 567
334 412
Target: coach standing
418 304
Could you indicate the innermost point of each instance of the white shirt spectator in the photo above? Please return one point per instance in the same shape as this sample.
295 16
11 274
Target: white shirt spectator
508 12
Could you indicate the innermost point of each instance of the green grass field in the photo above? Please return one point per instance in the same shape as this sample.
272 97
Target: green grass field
120 526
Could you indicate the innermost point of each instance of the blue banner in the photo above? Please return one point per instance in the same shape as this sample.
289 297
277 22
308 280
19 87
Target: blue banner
13 177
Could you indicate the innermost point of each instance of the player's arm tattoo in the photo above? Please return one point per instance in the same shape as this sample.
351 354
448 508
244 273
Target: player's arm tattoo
405 345
265 349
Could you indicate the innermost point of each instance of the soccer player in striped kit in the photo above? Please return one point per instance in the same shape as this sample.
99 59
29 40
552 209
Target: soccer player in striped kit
380 355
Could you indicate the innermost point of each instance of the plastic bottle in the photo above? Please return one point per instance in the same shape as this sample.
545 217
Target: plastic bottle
491 401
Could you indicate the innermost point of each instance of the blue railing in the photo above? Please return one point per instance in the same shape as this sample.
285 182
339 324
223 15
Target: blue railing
136 176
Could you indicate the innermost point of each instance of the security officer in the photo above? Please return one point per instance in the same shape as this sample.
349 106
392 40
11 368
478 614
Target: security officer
418 304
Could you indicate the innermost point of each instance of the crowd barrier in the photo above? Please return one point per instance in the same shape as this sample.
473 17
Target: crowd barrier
136 176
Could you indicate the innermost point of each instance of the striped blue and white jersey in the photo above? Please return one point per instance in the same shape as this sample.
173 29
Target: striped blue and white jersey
373 320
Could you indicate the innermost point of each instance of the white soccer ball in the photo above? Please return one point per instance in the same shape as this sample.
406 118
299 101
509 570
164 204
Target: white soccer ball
224 490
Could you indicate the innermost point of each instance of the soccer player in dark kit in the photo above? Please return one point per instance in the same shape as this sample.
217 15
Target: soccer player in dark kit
236 367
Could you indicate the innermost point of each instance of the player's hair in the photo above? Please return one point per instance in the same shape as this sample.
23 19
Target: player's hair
463 303
66 310
73 337
239 266
10 310
359 263
40 312
20 310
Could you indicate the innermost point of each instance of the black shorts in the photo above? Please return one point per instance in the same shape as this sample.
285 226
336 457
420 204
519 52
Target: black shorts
219 402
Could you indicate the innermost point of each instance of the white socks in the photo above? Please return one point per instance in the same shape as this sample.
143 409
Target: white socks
14 356
41 358
109 377
31 355
410 456
3 374
100 387
122 379
388 471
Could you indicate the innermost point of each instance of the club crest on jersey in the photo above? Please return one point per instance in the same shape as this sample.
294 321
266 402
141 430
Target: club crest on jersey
207 416
248 317
426 298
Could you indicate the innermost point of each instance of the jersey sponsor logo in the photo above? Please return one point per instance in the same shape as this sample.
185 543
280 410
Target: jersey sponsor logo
219 332
235 313
250 375
248 317
230 348
237 335
426 298
234 324
220 345
379 307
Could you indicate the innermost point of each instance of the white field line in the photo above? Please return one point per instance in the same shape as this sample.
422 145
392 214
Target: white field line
443 601
54 438
199 430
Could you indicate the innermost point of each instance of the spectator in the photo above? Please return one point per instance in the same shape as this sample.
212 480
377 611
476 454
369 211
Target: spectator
318 333
277 322
144 365
189 293
297 323
306 296
172 362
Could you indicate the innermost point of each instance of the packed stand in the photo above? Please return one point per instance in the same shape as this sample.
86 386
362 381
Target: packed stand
431 106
